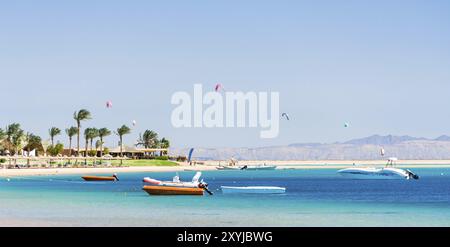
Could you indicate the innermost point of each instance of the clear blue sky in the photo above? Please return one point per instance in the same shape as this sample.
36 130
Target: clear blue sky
382 66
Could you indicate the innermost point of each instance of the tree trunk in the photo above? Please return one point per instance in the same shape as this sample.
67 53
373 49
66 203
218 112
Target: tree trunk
121 152
78 139
86 150
101 150
28 154
70 148
101 147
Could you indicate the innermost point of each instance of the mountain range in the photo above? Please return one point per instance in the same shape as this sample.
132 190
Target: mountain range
368 148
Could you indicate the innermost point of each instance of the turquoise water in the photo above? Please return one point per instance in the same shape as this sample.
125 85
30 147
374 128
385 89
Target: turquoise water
313 198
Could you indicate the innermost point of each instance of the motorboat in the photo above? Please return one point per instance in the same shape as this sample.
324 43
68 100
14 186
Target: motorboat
253 190
248 168
229 168
259 168
172 190
101 178
176 187
387 172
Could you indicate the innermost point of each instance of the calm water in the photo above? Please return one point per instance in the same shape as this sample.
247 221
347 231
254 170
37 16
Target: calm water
313 198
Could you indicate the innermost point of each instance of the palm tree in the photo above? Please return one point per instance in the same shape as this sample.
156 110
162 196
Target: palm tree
17 141
2 137
121 132
79 116
89 135
53 132
164 143
15 136
149 139
103 132
98 144
70 132
92 136
33 142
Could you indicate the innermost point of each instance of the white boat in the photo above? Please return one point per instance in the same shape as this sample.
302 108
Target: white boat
388 172
259 168
229 168
248 168
253 190
176 183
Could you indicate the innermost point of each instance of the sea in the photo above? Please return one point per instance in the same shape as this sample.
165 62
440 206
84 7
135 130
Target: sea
313 198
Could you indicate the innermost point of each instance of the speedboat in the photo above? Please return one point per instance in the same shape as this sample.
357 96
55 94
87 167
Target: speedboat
101 178
248 168
253 190
176 187
259 168
388 172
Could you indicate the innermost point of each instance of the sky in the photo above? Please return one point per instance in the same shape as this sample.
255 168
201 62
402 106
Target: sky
381 66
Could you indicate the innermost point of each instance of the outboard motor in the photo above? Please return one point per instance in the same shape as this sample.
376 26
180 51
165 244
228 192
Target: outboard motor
204 186
412 175
244 168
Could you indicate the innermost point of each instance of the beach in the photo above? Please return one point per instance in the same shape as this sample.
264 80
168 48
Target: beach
213 165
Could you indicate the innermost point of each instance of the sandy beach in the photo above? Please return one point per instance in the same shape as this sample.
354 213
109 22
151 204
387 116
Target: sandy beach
212 165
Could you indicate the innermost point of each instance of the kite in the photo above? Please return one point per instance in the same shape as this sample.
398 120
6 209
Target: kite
286 116
190 155
218 87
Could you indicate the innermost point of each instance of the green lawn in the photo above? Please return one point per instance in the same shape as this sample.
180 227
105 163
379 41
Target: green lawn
145 163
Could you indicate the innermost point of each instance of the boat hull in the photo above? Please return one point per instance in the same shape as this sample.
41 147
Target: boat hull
374 173
96 178
172 191
261 168
252 190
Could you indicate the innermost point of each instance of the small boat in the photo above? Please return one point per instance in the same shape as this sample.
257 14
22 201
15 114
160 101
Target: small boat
176 187
253 190
387 172
248 168
101 178
172 190
229 168
259 168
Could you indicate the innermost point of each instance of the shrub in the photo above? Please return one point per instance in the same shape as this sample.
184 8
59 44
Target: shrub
92 153
181 158
105 151
2 161
55 150
162 158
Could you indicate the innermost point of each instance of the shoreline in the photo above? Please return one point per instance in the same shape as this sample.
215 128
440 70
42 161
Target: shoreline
212 166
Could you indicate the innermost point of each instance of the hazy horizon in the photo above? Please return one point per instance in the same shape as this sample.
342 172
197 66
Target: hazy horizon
381 66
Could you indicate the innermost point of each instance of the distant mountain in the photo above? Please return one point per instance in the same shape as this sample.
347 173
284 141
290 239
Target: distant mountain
383 140
368 148
443 138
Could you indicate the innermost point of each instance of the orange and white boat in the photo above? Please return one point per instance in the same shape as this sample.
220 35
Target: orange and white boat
172 190
101 178
176 187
